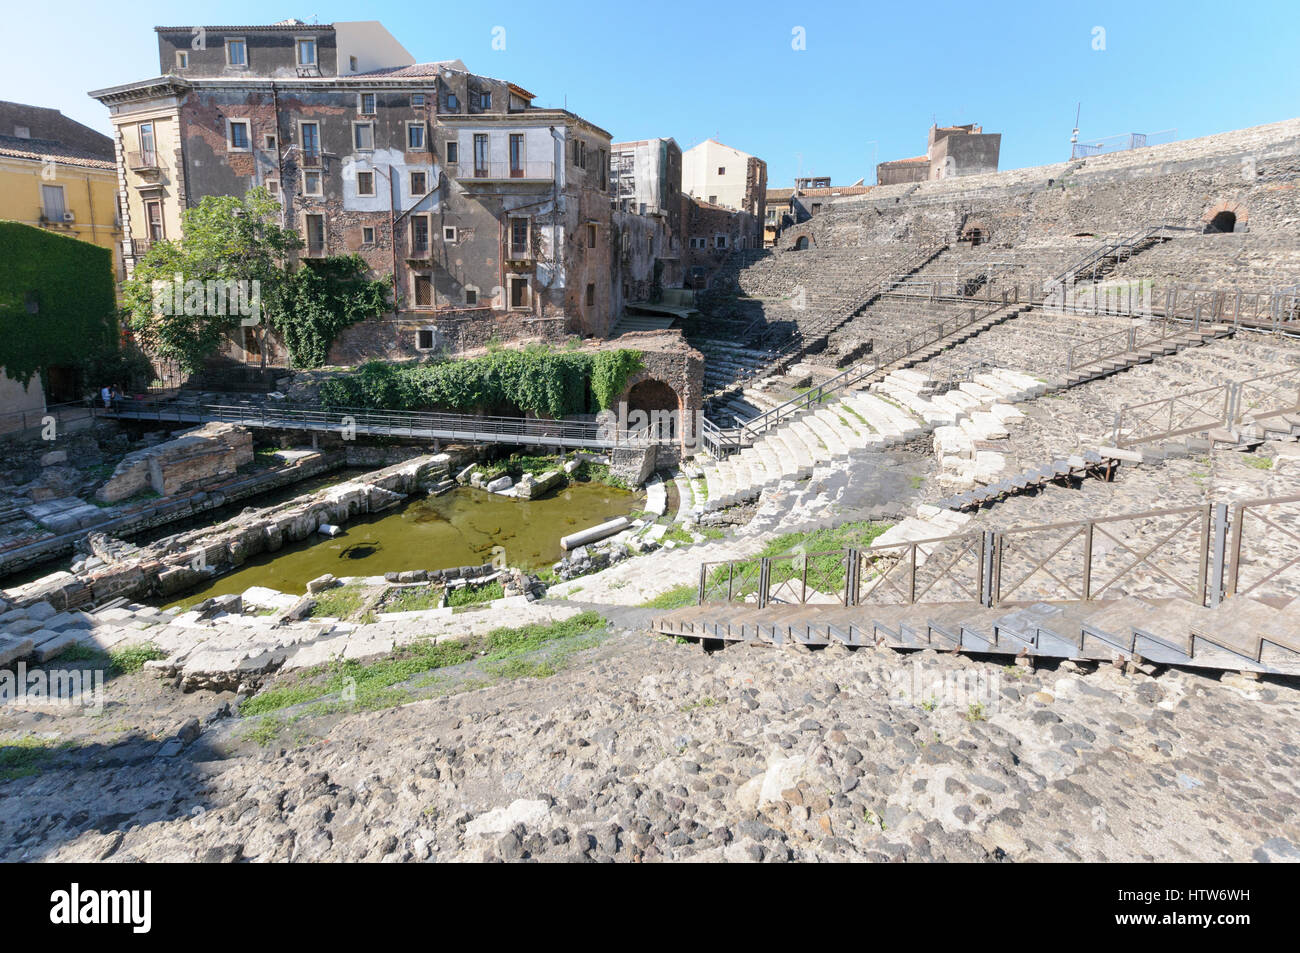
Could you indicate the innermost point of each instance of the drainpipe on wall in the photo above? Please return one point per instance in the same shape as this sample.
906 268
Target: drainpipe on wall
557 157
392 235
279 154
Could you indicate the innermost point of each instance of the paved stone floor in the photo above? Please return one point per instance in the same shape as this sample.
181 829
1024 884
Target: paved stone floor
641 749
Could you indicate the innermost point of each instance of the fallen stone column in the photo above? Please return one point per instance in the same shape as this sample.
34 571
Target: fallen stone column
594 534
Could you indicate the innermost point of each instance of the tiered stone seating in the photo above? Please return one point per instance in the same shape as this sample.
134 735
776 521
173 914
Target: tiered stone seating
862 420
1234 260
791 302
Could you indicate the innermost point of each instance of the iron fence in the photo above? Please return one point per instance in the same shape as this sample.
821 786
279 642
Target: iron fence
414 424
1121 343
946 569
1152 552
1273 524
1231 405
1175 553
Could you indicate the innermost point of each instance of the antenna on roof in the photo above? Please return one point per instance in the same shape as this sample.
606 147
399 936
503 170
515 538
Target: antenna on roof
1074 136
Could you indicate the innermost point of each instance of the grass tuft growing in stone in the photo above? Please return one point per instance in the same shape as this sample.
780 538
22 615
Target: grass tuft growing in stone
126 659
24 757
374 685
475 595
340 602
686 594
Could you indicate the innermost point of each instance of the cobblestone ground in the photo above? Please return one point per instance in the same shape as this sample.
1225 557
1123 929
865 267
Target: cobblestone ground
642 749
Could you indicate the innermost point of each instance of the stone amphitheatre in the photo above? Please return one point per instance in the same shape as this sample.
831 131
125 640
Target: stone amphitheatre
988 548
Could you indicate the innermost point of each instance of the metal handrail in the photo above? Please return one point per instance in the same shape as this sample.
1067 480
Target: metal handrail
1218 569
879 284
17 421
1106 250
1233 585
859 372
393 423
1193 405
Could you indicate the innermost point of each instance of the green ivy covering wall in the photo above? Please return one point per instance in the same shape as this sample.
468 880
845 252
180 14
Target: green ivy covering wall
56 301
313 304
537 380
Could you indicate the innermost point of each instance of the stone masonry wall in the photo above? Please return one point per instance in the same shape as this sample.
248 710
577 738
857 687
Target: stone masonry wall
205 453
1254 172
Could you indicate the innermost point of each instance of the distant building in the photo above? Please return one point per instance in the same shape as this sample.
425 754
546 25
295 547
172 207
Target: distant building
786 207
951 151
776 215
58 175
645 183
719 175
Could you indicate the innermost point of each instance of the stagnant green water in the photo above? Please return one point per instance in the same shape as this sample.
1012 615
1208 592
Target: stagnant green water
459 528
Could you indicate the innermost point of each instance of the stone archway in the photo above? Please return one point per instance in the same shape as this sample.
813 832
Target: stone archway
1225 217
803 243
655 405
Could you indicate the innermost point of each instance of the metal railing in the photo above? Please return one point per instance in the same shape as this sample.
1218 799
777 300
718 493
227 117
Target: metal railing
1275 311
814 331
17 422
1180 553
142 161
1122 343
1108 252
1087 559
504 171
1121 143
1230 405
413 424
1278 522
879 359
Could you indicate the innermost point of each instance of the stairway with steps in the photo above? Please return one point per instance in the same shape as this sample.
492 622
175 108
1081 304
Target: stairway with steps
629 323
858 420
1242 634
808 296
1144 353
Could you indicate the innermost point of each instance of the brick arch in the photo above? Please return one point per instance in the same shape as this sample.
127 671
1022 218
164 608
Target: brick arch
800 241
1241 214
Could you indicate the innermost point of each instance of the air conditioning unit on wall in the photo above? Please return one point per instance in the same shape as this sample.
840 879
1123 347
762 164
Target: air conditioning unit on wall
69 217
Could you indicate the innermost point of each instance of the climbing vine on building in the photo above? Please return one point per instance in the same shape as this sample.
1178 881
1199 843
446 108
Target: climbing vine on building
537 379
313 304
609 374
56 301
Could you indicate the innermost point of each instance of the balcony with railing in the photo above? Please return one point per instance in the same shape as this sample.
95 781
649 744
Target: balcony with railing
491 172
514 251
143 161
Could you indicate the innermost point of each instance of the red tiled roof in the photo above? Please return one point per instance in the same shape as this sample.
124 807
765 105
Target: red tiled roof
38 150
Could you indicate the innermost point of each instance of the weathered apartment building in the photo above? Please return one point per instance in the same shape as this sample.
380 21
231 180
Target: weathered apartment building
951 151
722 176
646 191
492 215
686 237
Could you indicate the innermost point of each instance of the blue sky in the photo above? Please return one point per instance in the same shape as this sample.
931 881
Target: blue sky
866 87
